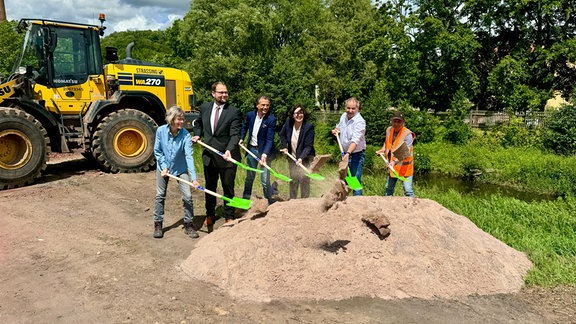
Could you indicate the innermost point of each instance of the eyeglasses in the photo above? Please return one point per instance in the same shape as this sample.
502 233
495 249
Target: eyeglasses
221 92
298 113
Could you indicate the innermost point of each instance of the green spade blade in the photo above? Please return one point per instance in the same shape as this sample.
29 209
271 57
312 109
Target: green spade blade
280 176
398 176
353 182
237 202
245 167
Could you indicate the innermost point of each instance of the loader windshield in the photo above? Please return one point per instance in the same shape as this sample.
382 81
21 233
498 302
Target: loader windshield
32 54
60 55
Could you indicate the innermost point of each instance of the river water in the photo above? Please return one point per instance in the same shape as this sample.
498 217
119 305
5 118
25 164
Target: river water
472 188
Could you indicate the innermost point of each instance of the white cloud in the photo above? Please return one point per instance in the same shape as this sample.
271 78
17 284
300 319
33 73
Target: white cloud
121 15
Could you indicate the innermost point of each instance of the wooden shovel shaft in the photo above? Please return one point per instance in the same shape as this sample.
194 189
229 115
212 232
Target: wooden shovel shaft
297 163
217 195
392 168
254 156
341 150
216 151
339 143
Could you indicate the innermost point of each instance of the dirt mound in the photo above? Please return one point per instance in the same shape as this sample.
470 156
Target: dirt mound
298 251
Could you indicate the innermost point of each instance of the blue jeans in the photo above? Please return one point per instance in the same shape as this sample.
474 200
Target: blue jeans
264 177
161 185
391 183
356 163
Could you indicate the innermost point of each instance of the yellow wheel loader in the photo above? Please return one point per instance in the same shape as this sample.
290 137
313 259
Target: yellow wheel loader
61 98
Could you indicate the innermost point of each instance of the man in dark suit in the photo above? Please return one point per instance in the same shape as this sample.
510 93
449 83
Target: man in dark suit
220 124
260 126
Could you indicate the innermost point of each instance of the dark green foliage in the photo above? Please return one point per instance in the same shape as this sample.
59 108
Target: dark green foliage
370 157
457 132
559 134
10 45
516 134
473 163
426 55
149 46
422 123
375 112
422 163
325 142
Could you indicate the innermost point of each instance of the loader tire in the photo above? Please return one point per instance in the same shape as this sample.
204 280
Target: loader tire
124 142
24 148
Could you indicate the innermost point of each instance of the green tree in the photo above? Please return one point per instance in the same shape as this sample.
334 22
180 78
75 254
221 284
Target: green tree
509 82
529 33
149 45
230 41
10 45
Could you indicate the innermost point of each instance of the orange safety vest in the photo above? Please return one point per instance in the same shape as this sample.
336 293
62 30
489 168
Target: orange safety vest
404 168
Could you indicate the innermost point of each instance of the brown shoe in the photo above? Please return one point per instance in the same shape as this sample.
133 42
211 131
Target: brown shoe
210 220
228 220
209 223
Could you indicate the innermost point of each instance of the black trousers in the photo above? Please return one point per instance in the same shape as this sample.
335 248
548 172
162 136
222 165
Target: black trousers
227 177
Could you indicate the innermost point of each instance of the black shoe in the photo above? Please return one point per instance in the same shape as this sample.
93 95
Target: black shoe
158 230
190 231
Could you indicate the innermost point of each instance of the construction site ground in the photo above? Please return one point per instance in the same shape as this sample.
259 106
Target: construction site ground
77 247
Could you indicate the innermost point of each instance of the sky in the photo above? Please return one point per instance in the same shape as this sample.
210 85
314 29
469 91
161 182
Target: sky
121 15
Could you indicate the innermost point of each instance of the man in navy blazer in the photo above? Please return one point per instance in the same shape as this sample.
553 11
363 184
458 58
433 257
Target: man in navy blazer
260 126
219 123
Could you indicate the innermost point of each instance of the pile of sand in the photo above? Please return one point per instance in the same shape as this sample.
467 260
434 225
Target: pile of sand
298 251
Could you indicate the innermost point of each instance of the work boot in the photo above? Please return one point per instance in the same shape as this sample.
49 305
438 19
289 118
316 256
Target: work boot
190 231
158 230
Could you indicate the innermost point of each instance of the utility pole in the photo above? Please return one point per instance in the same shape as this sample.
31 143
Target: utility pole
2 11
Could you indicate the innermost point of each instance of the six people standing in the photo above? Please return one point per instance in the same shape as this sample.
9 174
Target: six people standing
220 125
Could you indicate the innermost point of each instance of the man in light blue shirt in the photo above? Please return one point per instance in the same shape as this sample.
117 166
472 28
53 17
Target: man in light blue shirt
352 130
173 152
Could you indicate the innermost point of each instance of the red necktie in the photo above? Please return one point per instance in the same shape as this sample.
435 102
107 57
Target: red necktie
216 115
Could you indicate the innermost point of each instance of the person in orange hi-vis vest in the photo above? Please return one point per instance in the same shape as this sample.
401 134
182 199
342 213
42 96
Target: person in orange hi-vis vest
396 136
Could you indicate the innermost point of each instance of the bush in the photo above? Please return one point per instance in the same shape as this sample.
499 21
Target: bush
370 157
422 163
559 131
457 132
514 134
324 141
423 124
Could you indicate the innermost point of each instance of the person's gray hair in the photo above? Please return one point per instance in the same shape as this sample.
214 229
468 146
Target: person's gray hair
172 113
354 100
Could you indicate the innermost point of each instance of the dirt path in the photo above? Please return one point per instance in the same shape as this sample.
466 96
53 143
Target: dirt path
77 248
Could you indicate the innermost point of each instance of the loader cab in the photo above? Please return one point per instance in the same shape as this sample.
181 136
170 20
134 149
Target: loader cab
59 54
